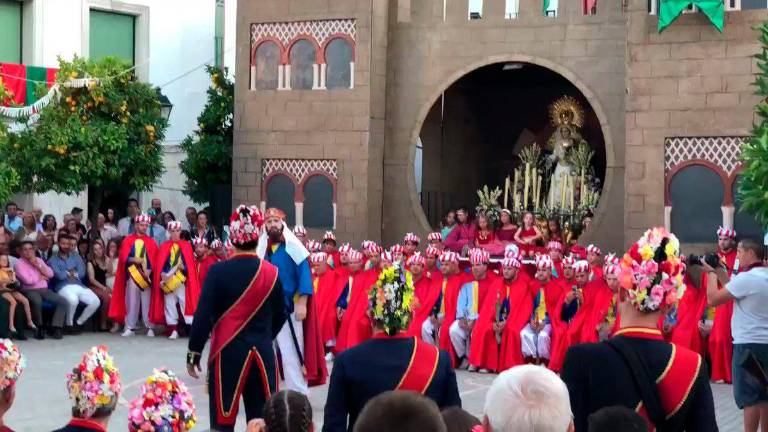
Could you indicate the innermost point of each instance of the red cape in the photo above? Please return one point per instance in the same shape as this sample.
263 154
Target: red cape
554 294
450 299
428 292
690 309
355 324
327 293
205 265
521 307
602 296
568 333
597 272
191 286
314 346
721 343
117 309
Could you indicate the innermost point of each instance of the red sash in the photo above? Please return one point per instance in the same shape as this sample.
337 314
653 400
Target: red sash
237 316
421 369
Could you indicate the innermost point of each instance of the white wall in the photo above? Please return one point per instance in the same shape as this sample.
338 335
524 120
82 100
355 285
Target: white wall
180 41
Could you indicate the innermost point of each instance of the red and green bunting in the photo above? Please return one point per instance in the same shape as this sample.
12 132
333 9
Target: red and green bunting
22 81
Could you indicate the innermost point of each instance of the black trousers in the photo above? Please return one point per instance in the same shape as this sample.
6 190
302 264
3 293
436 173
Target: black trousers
236 372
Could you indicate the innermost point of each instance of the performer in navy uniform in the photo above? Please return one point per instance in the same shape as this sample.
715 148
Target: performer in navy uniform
666 384
391 360
241 308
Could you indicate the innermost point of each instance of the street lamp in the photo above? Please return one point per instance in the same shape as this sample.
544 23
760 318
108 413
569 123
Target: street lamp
165 105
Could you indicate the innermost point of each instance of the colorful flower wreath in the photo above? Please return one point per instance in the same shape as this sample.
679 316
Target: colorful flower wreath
392 299
12 363
652 272
245 224
94 383
164 405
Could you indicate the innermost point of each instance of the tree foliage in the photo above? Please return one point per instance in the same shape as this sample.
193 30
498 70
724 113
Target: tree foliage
106 135
209 149
753 182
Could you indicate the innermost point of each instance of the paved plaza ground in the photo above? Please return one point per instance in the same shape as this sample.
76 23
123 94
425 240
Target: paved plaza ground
42 402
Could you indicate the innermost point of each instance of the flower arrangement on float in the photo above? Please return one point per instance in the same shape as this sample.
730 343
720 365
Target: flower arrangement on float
392 299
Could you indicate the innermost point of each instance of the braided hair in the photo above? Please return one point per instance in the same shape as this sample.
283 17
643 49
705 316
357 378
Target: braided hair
288 411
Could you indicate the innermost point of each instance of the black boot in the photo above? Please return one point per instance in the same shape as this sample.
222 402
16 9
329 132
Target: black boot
18 335
39 333
57 333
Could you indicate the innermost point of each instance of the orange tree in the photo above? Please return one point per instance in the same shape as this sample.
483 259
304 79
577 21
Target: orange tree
104 136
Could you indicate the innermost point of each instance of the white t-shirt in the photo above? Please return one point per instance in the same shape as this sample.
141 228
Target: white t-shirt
750 310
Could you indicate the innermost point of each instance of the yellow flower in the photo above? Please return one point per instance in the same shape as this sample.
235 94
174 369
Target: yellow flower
102 399
646 252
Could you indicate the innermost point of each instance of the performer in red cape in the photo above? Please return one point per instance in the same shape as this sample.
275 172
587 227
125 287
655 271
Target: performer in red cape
720 339
528 235
567 278
431 257
472 297
353 304
601 311
300 343
691 313
242 310
390 360
132 292
555 251
572 304
398 254
427 294
174 282
201 254
336 302
410 244
636 362
593 258
324 284
543 325
329 247
450 284
435 239
501 317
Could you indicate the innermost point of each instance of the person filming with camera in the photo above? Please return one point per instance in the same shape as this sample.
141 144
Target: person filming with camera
749 292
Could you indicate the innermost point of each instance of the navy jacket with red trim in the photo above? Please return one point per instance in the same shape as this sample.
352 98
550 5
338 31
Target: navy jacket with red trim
374 367
588 367
224 284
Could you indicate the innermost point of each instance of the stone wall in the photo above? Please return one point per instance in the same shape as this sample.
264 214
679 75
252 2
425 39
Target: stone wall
427 53
690 80
346 125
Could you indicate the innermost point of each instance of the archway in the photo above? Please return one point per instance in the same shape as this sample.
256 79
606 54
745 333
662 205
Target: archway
476 128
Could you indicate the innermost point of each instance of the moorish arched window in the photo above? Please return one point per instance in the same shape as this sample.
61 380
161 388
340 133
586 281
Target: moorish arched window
318 202
339 58
267 61
303 58
281 193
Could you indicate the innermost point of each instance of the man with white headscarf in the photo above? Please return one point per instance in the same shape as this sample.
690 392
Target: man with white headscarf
303 364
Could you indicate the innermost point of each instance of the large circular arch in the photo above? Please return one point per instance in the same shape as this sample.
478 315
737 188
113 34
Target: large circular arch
566 73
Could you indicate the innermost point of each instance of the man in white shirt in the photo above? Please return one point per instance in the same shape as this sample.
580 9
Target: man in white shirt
125 225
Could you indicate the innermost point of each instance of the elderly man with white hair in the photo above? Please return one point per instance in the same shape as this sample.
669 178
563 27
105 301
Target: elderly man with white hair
540 400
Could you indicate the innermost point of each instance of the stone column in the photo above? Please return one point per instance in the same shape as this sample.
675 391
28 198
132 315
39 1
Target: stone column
728 214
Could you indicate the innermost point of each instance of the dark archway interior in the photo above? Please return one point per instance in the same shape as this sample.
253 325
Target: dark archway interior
473 133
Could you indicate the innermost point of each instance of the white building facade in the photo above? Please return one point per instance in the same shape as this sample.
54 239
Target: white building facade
168 41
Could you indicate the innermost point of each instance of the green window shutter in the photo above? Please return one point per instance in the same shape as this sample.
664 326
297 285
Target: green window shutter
112 34
10 31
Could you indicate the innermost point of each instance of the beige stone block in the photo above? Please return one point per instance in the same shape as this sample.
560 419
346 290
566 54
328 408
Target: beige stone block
698 50
639 69
742 48
635 203
692 120
251 165
634 137
652 119
653 139
245 179
675 68
630 121
638 103
651 86
678 102
549 33
677 33
738 83
635 170
722 100
583 31
520 34
649 52
700 84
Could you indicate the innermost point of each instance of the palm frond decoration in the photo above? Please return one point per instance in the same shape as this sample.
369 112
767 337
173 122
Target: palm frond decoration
489 204
531 154
580 157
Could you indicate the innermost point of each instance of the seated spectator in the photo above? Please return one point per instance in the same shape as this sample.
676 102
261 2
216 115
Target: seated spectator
83 248
28 229
72 229
168 217
77 216
616 418
44 247
68 275
12 221
11 367
203 229
528 398
50 226
164 404
10 291
112 255
458 420
103 231
34 274
399 411
93 399
37 212
97 281
125 225
111 221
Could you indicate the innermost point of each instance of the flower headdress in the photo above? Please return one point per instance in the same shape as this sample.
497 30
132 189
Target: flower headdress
164 405
11 362
652 271
392 299
94 383
245 224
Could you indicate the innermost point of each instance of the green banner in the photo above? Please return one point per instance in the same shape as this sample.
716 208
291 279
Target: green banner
669 10
545 7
